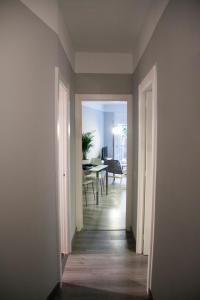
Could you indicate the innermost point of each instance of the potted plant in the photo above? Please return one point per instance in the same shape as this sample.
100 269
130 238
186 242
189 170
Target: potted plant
87 139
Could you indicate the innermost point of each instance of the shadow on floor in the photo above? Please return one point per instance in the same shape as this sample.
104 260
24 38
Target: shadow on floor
103 266
103 241
75 292
131 243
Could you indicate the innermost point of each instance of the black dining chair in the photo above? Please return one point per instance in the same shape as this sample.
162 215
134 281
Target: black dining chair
114 167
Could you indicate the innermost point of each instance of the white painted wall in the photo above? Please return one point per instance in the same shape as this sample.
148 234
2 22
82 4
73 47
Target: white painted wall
119 110
29 53
150 23
46 10
114 114
85 62
122 63
93 120
49 12
175 47
107 63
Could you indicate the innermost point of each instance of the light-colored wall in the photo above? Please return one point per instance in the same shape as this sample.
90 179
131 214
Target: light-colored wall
93 120
103 84
29 52
108 124
115 114
120 112
50 12
175 49
155 12
104 63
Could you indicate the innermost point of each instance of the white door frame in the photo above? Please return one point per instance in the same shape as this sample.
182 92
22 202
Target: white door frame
65 227
149 82
78 119
148 175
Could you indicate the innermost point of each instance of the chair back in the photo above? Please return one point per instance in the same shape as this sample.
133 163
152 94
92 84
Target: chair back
114 166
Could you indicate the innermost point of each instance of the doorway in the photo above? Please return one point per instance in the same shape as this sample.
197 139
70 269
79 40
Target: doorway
80 99
147 146
104 164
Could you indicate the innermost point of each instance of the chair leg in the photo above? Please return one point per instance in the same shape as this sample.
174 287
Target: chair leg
93 190
113 178
85 195
101 186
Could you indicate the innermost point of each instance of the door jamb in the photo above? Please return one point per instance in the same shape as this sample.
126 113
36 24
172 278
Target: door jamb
150 81
59 78
78 120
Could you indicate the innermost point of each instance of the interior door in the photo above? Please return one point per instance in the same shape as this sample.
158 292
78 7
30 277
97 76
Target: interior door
62 146
148 172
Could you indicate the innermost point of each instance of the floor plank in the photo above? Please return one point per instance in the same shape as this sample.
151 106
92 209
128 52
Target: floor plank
104 265
110 214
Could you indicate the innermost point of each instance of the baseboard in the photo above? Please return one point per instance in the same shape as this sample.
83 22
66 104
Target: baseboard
150 295
54 292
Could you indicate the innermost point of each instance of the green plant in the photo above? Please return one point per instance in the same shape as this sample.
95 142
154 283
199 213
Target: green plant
87 139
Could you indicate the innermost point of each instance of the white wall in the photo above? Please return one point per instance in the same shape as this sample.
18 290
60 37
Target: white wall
156 10
29 52
106 63
114 114
119 110
50 13
93 120
175 47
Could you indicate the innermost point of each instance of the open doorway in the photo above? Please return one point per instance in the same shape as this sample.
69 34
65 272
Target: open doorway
89 197
104 164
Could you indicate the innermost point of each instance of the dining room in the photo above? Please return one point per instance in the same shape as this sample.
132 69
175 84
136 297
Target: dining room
104 164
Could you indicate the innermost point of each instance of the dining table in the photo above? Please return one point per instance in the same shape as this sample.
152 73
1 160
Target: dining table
98 169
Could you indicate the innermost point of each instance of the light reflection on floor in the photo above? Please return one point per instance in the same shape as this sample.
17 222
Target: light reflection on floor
111 211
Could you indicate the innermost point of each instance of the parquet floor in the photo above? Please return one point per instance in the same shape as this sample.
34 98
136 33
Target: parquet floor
103 265
110 214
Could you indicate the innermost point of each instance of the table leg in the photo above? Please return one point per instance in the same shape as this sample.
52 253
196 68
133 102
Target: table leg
97 188
106 182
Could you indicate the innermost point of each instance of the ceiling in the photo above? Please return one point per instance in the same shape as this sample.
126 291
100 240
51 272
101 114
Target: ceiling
104 25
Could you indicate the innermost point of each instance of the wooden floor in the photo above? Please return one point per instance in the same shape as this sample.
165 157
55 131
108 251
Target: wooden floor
103 265
110 214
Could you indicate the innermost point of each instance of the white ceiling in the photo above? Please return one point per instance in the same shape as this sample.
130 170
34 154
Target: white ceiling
109 36
104 25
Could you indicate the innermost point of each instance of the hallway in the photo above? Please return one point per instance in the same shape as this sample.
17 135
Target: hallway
54 55
103 265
